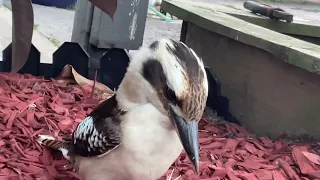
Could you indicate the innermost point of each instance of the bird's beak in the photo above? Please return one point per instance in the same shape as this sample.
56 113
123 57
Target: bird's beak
188 133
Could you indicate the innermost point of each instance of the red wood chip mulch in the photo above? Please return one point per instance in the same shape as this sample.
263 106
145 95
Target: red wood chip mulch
32 105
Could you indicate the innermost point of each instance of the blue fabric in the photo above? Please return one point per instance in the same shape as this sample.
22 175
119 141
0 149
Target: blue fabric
56 3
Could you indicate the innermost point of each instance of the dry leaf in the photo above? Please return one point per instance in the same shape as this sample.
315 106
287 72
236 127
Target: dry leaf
69 72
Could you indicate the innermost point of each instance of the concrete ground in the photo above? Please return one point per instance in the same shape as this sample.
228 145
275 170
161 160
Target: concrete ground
56 24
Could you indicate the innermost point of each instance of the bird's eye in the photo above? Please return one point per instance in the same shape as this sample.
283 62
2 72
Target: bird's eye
171 96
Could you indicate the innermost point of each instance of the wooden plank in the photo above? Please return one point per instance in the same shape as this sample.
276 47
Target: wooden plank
297 27
95 27
82 23
291 50
125 30
266 95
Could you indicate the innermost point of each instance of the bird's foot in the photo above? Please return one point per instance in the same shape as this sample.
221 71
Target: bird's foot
170 177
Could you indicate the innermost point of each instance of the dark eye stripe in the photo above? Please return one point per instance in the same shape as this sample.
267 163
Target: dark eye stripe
171 96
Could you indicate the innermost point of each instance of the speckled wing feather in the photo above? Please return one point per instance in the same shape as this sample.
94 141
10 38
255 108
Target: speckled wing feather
100 132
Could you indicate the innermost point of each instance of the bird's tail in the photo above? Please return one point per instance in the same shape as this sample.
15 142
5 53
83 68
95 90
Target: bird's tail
52 143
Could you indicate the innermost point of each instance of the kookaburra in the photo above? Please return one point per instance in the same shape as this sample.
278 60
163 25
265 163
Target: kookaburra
139 132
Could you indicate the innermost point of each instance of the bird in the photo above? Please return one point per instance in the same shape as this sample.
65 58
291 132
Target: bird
140 131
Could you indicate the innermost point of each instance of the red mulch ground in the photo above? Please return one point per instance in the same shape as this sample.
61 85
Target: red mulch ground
30 106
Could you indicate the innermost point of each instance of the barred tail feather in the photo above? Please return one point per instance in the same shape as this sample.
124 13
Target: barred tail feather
52 143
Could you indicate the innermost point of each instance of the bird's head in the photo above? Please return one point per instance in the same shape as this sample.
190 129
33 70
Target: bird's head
179 79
